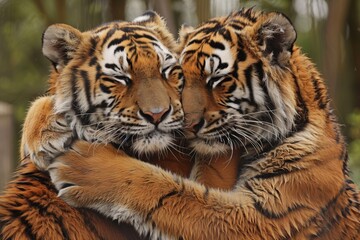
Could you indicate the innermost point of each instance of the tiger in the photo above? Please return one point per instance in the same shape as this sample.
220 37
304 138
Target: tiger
118 84
249 91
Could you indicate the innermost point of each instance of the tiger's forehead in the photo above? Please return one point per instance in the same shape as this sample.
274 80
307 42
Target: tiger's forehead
215 46
125 47
211 52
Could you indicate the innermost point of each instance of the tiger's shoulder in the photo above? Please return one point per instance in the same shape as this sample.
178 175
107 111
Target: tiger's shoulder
31 209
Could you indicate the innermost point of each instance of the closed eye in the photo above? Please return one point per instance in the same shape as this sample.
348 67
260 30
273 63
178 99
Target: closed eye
213 81
124 80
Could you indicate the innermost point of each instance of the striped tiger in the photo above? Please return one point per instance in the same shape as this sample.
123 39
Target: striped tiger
119 83
258 107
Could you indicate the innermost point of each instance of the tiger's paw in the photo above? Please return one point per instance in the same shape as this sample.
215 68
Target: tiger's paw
82 174
45 134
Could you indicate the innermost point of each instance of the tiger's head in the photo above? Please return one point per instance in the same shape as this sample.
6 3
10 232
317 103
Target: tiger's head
119 82
238 89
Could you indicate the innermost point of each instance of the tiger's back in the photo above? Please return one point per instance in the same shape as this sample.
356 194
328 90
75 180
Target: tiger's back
31 209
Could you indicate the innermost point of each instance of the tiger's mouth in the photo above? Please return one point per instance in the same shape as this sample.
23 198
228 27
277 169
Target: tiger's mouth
215 143
154 142
149 143
209 147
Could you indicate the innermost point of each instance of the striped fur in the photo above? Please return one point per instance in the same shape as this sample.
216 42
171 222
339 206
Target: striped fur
118 83
30 209
249 92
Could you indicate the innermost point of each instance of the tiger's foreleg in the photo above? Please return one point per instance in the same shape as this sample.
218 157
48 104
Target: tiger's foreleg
45 133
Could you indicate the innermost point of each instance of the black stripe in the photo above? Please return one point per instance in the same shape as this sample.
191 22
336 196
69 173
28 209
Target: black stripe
318 94
85 118
276 173
44 211
130 29
320 215
160 203
89 225
124 78
195 41
248 76
27 225
148 36
330 221
217 45
92 61
112 66
269 104
98 73
232 88
108 35
241 55
110 80
117 41
101 29
93 42
272 215
104 88
87 87
74 90
119 48
226 34
236 26
248 13
35 176
301 118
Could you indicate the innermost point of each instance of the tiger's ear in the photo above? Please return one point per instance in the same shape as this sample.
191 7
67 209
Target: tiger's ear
184 36
155 22
59 42
276 35
149 19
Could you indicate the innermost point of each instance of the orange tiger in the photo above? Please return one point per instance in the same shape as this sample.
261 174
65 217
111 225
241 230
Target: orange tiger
249 92
120 84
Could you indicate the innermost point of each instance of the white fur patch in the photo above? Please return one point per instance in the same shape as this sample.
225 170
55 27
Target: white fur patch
201 147
125 214
156 142
143 18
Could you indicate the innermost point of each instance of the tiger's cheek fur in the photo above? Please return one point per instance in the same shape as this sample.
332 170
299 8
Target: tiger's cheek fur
119 82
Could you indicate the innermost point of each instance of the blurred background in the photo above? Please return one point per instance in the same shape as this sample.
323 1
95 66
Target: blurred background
328 31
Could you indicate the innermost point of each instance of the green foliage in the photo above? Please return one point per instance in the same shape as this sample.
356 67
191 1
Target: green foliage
354 146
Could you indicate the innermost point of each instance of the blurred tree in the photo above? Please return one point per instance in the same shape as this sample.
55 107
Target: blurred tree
203 10
117 10
353 19
334 64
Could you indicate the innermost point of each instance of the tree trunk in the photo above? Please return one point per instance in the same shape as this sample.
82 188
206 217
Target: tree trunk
334 56
117 9
6 143
203 10
354 38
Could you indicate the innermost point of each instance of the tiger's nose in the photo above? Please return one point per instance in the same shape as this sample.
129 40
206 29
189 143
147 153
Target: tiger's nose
195 125
155 115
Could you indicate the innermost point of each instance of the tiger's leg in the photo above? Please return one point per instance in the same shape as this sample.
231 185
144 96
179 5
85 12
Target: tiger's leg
162 204
154 201
45 134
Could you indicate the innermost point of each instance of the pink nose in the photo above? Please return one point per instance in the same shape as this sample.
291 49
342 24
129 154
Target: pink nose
155 115
195 125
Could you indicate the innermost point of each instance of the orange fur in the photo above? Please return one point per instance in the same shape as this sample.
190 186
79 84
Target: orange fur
268 105
29 207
